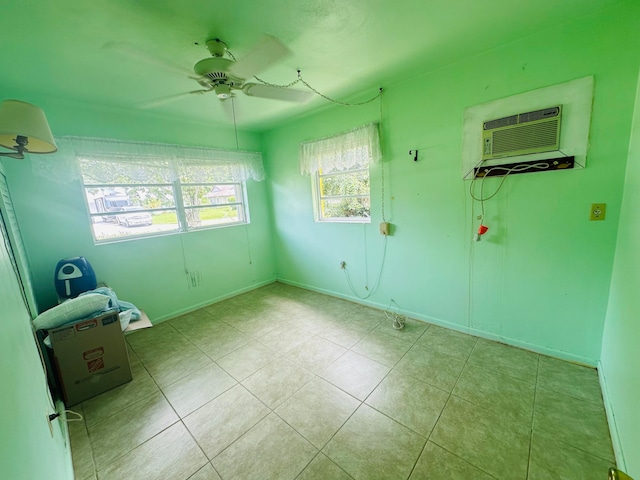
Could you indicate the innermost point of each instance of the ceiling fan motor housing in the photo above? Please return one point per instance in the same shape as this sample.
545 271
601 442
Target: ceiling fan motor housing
214 71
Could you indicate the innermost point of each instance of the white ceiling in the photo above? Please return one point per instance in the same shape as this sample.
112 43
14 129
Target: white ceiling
343 47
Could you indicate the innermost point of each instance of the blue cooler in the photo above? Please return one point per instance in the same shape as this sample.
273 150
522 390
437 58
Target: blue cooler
74 276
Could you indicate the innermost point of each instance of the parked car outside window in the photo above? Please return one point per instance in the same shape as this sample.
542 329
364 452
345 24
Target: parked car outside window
131 217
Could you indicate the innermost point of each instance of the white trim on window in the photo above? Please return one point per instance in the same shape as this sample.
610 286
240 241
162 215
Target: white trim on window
182 201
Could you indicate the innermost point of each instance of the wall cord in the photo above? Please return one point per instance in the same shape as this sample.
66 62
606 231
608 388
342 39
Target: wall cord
482 198
79 418
377 284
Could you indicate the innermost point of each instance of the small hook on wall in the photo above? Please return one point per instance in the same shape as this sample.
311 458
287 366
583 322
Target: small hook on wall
414 154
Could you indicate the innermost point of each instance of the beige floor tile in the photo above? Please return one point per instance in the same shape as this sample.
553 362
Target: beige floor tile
382 348
372 446
284 338
571 379
434 368
270 450
221 421
196 389
484 429
488 441
199 328
247 359
146 343
192 321
574 422
502 394
321 468
119 434
315 354
366 317
553 460
448 342
170 455
436 463
355 374
114 401
169 367
317 410
215 308
308 321
147 339
277 381
81 453
412 331
512 361
205 473
408 401
226 340
257 326
344 334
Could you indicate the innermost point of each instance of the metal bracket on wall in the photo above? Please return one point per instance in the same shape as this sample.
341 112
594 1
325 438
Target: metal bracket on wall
561 163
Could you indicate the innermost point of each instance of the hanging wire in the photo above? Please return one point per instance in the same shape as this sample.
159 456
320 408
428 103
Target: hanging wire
377 282
382 159
306 84
482 198
235 124
326 97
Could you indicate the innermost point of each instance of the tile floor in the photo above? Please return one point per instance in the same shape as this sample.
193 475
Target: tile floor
283 383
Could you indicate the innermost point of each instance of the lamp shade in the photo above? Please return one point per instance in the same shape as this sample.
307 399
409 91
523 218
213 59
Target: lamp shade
24 119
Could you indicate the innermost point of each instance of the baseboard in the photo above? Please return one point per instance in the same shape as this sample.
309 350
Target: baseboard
611 419
551 352
206 303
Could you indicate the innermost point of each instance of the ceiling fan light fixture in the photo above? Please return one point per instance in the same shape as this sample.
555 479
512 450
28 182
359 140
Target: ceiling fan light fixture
223 91
216 47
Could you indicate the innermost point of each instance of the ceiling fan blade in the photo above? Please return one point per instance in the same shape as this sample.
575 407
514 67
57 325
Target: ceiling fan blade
276 93
139 54
171 98
268 51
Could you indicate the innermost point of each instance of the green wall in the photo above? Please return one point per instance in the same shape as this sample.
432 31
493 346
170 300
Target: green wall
148 272
620 361
540 277
29 450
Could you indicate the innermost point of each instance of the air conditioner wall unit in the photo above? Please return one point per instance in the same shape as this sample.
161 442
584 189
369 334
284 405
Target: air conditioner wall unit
521 134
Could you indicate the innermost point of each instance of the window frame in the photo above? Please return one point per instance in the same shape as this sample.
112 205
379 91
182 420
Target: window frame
179 207
318 197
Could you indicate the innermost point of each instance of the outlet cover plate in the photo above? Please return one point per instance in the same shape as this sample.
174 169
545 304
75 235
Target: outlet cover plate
598 211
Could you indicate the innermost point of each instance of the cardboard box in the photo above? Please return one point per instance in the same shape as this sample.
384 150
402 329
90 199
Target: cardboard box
90 356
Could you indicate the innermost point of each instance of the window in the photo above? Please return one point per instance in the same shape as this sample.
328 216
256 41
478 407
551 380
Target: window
340 173
149 190
199 197
342 194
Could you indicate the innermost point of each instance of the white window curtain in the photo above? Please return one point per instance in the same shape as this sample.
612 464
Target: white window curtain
357 148
136 157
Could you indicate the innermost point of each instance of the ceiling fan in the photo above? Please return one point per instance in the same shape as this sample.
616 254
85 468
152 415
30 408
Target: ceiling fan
223 75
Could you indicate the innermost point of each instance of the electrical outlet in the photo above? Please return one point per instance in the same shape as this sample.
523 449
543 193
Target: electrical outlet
385 228
598 211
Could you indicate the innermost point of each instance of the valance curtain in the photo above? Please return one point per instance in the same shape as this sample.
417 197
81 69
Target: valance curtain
357 148
137 157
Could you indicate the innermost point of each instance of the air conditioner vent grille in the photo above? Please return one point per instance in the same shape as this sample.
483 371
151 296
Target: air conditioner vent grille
501 122
536 135
524 133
